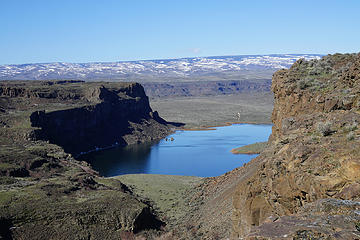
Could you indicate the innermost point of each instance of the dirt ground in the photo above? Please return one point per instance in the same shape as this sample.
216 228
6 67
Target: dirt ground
253 107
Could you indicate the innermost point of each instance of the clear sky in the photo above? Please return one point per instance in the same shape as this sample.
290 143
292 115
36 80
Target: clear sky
104 30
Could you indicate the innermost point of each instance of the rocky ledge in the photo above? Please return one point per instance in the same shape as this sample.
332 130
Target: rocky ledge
306 183
45 193
81 116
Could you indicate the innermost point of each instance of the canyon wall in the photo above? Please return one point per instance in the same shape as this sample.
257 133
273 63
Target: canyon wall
90 116
112 117
312 162
45 193
205 88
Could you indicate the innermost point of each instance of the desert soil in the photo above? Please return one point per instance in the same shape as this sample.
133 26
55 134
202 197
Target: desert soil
217 110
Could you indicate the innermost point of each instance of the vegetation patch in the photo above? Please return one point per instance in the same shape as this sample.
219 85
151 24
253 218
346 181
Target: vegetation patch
167 193
324 128
254 148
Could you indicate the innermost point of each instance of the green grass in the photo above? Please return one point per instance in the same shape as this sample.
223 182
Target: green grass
254 148
166 192
5 197
6 165
7 180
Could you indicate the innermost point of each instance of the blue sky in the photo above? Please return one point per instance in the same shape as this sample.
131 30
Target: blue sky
88 31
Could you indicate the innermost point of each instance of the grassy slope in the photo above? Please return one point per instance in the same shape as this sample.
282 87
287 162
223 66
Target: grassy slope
254 148
44 192
168 193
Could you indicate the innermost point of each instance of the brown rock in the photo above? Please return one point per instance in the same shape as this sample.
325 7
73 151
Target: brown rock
300 166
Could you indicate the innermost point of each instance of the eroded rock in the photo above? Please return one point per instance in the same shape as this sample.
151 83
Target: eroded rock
304 164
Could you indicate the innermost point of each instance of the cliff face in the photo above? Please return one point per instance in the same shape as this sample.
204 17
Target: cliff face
112 116
205 88
45 192
313 154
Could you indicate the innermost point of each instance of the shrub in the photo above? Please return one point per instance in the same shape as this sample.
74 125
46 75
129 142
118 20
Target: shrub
353 127
312 82
302 84
357 226
350 136
324 128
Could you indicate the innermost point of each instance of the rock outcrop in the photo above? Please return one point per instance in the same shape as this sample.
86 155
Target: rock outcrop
112 116
45 193
307 180
205 88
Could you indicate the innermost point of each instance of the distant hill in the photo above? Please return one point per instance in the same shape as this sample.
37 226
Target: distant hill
168 70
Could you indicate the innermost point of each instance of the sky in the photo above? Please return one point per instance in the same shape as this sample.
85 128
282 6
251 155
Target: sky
40 31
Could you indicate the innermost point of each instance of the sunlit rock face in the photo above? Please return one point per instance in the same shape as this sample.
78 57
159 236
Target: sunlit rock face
313 154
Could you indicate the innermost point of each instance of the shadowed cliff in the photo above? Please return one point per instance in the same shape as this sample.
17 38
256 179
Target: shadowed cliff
44 191
111 117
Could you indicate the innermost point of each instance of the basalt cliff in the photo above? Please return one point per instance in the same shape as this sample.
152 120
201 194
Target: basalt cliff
45 192
83 116
306 183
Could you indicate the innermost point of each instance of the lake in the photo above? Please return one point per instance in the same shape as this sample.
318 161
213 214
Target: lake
191 153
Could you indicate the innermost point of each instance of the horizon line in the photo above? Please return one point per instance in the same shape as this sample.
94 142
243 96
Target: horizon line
165 59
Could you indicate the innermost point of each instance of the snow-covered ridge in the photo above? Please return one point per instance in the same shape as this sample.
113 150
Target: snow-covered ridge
183 67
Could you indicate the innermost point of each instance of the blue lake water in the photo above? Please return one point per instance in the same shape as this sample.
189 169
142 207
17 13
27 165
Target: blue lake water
192 153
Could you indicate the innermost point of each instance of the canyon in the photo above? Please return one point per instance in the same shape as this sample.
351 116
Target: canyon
45 191
304 184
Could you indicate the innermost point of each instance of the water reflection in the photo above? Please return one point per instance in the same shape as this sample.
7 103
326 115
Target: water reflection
192 153
117 161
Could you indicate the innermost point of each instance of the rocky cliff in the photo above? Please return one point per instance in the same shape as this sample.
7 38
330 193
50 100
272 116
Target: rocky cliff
205 88
113 116
83 116
306 184
45 193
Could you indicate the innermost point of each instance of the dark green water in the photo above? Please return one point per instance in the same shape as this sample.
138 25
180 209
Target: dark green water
192 153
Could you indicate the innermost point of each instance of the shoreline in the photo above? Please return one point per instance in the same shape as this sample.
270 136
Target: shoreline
249 149
233 151
82 156
226 124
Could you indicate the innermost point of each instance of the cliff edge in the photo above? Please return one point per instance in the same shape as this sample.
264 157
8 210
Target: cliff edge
306 183
45 193
81 116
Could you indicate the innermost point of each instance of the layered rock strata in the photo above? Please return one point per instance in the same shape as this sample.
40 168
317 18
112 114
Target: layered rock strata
313 155
45 193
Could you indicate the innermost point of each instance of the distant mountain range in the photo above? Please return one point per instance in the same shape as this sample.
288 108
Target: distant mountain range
188 69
